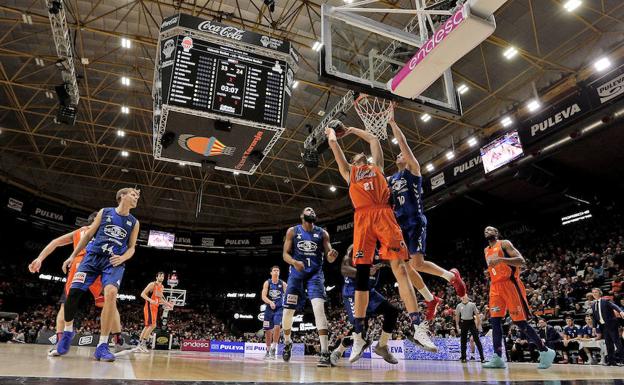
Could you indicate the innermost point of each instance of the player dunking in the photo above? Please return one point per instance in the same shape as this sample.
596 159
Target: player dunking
507 293
304 247
273 291
377 304
150 310
114 233
406 188
374 221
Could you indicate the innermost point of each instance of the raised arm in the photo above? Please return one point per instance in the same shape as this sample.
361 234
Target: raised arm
373 141
63 240
341 161
412 163
330 252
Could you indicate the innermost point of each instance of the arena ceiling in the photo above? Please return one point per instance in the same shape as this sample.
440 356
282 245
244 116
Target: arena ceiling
82 165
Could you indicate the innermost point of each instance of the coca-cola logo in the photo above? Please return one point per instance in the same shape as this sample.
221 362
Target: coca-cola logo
221 30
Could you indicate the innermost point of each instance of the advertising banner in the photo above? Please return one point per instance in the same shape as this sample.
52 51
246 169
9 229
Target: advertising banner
195 345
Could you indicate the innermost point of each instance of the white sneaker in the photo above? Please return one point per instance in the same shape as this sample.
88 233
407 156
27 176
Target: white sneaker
422 335
335 357
358 348
53 353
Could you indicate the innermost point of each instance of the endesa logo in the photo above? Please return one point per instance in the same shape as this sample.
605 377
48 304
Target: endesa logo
196 345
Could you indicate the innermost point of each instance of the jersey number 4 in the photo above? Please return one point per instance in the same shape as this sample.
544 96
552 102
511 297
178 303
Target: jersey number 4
108 249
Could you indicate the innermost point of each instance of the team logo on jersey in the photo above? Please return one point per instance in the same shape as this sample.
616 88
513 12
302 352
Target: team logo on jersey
109 219
292 299
316 235
399 184
129 223
365 173
274 293
115 231
307 246
79 277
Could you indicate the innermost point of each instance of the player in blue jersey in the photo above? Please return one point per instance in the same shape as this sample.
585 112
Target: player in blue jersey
407 199
377 304
305 247
111 242
273 291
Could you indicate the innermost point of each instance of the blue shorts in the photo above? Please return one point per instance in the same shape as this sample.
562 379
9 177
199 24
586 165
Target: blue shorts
374 300
94 265
415 237
272 317
302 285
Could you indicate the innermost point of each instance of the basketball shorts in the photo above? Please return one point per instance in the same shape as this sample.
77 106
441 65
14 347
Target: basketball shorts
509 295
374 300
372 225
93 266
95 288
302 286
150 314
272 317
415 236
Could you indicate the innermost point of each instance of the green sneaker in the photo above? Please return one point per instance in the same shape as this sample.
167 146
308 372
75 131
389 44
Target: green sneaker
495 363
546 359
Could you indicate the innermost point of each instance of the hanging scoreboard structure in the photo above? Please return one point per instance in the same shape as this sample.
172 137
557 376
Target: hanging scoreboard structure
220 94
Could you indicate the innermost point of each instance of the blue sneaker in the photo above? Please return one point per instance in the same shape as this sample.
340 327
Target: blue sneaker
62 347
495 363
102 353
546 359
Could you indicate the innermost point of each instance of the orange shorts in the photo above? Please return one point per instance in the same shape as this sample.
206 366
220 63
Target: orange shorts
509 295
377 224
95 288
150 313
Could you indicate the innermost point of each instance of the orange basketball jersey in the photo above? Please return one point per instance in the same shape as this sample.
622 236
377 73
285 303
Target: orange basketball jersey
368 187
501 271
156 293
76 238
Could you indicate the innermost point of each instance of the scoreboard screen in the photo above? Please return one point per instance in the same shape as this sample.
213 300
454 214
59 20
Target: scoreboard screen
210 77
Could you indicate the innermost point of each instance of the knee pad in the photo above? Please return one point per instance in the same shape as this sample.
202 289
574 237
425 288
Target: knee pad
362 276
318 307
71 303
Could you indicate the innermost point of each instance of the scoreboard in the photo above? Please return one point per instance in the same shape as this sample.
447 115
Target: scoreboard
221 94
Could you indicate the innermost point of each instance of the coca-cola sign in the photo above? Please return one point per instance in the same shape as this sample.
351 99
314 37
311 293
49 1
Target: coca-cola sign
221 30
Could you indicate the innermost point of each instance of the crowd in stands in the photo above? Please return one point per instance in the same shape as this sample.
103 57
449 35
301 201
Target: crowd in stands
562 268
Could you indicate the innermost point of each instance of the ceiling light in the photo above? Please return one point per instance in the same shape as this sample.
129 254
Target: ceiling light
430 167
332 188
300 165
348 1
126 43
510 52
177 178
602 64
450 155
228 186
286 180
236 173
571 5
27 18
182 164
395 141
124 170
295 84
39 62
124 153
125 110
125 81
49 95
462 89
472 141
533 105
506 121
425 117
317 46
121 133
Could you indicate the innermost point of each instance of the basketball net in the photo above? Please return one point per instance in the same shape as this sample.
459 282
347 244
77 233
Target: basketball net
375 113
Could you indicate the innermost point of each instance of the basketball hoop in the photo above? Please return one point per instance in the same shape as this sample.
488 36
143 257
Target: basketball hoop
375 113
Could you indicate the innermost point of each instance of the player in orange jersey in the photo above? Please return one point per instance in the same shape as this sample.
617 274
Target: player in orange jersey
95 288
150 310
374 221
507 293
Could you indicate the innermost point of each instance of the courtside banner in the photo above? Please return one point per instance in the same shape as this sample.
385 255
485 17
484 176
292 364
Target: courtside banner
449 349
259 349
195 346
227 347
463 167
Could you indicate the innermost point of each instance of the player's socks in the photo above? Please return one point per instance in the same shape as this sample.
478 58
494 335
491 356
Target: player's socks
415 318
383 340
424 291
274 345
287 338
324 343
448 276
358 325
69 328
117 338
103 339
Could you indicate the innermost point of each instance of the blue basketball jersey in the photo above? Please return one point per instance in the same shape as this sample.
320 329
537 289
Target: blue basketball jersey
276 292
308 248
407 198
113 234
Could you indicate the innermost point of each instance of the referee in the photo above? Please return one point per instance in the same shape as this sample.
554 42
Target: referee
465 314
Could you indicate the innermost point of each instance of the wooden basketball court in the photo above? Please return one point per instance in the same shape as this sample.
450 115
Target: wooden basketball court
29 364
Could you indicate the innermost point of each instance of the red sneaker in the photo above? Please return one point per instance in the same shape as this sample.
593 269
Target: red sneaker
432 308
458 283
